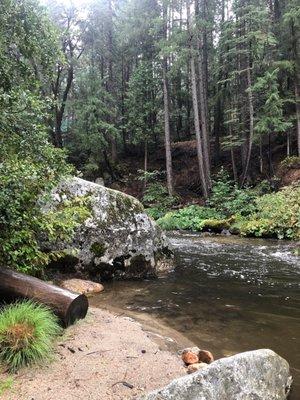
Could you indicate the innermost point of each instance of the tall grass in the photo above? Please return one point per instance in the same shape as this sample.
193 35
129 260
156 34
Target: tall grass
27 332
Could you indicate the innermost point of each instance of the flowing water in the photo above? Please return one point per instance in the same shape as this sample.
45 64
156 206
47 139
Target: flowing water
226 294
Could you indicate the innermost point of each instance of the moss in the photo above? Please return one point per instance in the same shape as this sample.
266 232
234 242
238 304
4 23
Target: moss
216 225
127 204
297 251
98 249
122 206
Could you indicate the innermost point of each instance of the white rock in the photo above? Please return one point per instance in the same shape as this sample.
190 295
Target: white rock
118 239
259 375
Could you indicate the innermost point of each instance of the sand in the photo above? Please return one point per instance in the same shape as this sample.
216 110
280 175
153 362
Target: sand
105 356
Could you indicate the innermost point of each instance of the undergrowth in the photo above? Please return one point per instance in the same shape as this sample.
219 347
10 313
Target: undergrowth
247 211
27 332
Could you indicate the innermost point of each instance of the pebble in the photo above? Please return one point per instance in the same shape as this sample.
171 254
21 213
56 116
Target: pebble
195 367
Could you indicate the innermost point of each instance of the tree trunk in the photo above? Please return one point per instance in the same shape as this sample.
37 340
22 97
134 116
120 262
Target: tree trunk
203 92
251 122
167 131
297 96
145 163
196 114
68 306
234 170
60 110
167 114
203 114
110 86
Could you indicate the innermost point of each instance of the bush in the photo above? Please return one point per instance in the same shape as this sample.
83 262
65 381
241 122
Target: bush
190 218
156 197
227 198
290 162
27 331
277 215
29 168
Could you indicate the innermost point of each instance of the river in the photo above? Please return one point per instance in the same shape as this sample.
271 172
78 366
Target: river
226 294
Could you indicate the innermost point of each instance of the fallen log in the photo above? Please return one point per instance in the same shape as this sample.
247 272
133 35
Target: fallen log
68 306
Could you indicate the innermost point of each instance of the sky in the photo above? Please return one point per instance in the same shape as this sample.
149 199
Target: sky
68 2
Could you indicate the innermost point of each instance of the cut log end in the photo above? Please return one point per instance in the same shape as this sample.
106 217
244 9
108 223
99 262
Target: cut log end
77 310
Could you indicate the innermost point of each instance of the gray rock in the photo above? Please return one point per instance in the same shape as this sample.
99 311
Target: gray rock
117 240
253 375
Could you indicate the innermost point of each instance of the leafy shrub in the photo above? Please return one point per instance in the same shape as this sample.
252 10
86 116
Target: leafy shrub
190 218
156 197
27 331
156 212
277 215
227 198
290 162
29 168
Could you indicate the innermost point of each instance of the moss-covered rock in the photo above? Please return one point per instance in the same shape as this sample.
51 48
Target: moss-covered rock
117 238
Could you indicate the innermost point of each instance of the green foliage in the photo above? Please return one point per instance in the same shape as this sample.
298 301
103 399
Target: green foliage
90 134
6 384
228 199
141 104
27 331
277 215
29 165
156 197
270 118
290 162
193 218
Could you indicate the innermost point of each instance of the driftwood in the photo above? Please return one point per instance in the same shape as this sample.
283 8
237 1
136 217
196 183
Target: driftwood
68 306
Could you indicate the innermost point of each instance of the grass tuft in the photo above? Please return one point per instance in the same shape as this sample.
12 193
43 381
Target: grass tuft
27 332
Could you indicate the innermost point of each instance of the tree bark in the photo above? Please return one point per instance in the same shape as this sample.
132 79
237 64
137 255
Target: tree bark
203 113
251 122
201 164
110 85
297 96
145 163
68 306
167 131
167 113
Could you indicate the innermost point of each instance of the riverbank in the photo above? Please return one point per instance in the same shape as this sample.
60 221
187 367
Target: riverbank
105 356
222 286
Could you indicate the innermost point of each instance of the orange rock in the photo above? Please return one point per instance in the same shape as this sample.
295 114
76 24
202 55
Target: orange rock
195 367
81 286
190 355
205 356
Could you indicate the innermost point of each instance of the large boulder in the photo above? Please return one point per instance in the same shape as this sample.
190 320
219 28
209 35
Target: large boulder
118 239
254 375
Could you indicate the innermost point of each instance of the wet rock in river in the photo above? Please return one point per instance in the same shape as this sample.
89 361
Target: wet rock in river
259 375
117 239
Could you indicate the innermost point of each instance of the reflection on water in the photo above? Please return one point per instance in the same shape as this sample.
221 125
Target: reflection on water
226 294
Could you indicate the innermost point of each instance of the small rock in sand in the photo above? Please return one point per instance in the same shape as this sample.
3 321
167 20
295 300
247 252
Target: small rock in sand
81 286
190 355
205 356
195 367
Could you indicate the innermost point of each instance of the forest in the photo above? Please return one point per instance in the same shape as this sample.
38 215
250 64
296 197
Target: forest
146 139
179 103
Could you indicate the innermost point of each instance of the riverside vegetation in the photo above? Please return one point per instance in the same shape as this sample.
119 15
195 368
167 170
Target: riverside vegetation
93 92
88 92
248 212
